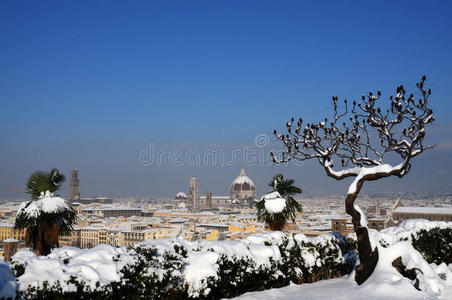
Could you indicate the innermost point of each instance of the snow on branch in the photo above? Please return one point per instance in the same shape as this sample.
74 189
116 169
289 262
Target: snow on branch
361 134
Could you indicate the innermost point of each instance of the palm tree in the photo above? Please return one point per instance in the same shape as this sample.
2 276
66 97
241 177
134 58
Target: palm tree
41 181
46 216
283 190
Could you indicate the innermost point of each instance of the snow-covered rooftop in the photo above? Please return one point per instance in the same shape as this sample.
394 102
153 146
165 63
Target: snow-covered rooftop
10 240
424 210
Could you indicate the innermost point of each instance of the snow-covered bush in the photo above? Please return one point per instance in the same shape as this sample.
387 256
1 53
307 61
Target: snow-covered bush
236 276
406 252
435 244
305 260
177 269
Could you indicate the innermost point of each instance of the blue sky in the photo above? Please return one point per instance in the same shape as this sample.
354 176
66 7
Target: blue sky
90 84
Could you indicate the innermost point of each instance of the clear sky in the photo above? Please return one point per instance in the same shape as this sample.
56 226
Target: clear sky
91 84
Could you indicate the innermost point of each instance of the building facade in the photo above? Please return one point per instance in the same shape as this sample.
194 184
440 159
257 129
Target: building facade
402 213
99 200
7 231
72 239
215 201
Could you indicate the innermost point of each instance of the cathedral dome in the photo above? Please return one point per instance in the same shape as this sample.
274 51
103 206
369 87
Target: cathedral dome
242 187
181 196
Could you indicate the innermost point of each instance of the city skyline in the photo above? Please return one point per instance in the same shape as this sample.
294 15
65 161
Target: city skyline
78 89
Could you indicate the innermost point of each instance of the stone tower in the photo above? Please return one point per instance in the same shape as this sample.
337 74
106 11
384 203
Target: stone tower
74 185
208 200
10 248
194 193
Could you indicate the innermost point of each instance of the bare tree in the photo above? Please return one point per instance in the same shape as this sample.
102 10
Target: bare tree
360 136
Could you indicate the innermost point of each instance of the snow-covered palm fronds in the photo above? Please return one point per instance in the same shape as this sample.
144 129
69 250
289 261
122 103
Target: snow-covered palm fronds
279 206
41 181
46 216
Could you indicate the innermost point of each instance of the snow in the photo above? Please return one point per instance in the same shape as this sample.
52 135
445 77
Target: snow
182 205
385 168
103 263
46 203
274 203
424 210
97 264
241 179
202 265
345 288
181 195
385 282
363 219
89 265
8 282
201 261
10 240
329 164
430 282
275 206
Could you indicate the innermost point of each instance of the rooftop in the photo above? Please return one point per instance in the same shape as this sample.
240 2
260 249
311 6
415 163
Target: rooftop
424 210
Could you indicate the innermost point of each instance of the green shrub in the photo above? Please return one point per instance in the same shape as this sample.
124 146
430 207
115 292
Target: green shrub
435 245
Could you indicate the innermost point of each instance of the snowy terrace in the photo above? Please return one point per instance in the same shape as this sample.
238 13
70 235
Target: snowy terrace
99 265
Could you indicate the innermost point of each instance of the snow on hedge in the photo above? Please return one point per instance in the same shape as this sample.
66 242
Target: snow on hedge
202 256
103 263
200 261
99 264
404 231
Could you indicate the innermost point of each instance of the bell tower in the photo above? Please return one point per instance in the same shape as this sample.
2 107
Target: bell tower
74 185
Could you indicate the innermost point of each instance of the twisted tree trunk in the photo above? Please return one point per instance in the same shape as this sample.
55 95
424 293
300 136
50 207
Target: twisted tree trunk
368 258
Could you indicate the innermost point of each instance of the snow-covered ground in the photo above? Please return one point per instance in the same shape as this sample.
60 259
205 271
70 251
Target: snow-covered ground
345 288
7 281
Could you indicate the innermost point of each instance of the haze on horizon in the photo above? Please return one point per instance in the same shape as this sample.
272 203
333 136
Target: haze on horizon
97 86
